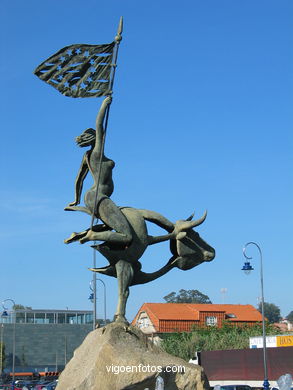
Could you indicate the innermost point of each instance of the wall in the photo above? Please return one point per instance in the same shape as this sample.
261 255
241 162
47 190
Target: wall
246 364
43 345
176 326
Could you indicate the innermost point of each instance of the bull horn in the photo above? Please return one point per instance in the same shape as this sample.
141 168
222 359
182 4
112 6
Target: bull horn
190 218
200 220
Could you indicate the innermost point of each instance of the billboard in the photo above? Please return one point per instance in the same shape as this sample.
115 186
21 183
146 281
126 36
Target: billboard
272 341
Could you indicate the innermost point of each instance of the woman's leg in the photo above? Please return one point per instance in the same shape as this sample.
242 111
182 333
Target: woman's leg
77 236
113 217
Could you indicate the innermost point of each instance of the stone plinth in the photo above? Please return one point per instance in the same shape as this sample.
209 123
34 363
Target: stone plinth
120 358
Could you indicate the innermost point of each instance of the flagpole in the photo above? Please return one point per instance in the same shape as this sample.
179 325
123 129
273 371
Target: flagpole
118 39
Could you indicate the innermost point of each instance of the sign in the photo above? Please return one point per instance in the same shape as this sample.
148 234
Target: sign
272 341
257 342
285 341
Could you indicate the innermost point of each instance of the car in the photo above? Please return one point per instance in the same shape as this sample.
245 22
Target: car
25 384
232 387
276 388
51 385
41 385
8 386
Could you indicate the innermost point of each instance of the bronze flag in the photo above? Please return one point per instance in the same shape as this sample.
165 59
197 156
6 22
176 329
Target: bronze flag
79 70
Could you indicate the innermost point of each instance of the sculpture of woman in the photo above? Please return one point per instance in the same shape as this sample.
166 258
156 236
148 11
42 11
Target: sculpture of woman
97 199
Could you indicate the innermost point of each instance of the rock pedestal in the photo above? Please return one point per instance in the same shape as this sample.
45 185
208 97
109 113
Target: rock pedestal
118 357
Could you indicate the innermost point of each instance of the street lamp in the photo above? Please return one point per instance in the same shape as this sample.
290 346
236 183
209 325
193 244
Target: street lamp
247 268
1 350
93 299
93 287
5 314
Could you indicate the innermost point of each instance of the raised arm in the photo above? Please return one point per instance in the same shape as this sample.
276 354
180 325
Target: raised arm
100 123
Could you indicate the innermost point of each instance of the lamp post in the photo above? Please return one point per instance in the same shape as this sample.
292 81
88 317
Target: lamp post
247 268
93 298
93 287
5 314
1 350
105 314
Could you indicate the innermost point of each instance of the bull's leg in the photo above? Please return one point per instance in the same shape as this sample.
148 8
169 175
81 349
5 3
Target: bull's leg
124 276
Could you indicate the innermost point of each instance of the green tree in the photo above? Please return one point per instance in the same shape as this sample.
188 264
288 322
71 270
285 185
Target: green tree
271 311
187 296
211 338
290 316
18 306
101 321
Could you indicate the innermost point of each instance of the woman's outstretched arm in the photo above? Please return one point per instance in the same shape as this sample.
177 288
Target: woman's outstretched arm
100 123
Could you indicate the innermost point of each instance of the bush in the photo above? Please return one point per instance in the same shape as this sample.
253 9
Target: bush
210 339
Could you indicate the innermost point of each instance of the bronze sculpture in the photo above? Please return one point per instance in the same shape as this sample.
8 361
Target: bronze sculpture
123 229
97 199
88 71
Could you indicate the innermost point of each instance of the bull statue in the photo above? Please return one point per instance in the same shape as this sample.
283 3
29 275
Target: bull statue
188 250
123 231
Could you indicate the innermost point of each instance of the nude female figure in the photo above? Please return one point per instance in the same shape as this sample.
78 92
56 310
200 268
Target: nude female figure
104 209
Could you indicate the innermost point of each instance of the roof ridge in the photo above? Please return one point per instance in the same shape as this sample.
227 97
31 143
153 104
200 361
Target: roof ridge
154 315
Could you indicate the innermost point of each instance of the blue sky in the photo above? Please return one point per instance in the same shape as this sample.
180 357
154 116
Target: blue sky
201 119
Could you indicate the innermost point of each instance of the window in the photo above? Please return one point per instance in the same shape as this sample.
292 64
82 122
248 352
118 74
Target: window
30 318
71 318
88 318
211 321
230 315
20 317
39 318
143 322
60 318
80 318
50 319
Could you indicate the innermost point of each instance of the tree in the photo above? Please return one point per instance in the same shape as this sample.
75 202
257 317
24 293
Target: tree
101 321
21 315
187 296
18 306
271 312
290 316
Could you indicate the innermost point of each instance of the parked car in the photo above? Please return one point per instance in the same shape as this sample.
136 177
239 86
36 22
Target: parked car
51 385
25 384
232 387
9 387
41 385
276 388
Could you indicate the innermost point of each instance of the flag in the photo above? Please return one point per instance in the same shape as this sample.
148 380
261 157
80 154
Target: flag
79 70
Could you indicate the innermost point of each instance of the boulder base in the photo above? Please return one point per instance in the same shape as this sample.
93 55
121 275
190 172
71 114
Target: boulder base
118 357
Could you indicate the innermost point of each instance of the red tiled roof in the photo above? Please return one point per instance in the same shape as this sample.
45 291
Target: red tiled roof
247 313
190 312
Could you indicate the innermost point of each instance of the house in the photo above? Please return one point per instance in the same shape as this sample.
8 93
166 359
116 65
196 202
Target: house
284 325
156 318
